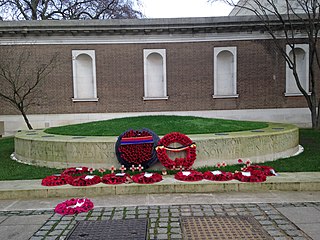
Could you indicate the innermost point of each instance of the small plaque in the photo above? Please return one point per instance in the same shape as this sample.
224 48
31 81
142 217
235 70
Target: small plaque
120 174
246 174
217 172
148 175
186 173
89 177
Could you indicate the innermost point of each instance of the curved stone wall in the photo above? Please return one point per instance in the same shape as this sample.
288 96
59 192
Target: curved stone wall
271 143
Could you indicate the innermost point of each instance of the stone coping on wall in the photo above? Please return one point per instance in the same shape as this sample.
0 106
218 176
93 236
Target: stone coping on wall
39 148
135 26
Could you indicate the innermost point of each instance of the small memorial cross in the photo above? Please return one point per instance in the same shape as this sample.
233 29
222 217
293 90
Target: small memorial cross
122 169
140 168
112 169
132 168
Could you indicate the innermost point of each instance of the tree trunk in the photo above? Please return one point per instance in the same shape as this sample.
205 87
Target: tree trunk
317 119
26 119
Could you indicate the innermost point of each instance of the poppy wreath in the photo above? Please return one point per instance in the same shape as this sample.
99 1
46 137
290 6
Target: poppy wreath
84 180
113 178
75 171
55 180
73 206
218 176
190 176
147 178
135 147
268 171
187 145
253 176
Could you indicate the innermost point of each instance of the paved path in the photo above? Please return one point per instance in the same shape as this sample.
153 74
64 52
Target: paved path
284 215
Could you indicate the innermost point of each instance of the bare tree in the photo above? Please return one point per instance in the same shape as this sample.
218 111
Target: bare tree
289 22
21 78
68 9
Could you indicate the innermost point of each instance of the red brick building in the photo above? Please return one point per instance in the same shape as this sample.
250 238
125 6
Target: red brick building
216 67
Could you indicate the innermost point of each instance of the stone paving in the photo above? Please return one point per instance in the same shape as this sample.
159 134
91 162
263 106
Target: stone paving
164 220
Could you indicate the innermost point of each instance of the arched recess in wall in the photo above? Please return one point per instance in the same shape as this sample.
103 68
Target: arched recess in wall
225 72
302 61
84 75
155 79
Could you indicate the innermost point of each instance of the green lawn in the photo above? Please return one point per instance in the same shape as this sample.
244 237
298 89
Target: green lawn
12 170
159 124
308 161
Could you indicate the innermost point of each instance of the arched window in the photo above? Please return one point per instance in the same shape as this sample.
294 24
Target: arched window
84 75
155 80
302 61
225 72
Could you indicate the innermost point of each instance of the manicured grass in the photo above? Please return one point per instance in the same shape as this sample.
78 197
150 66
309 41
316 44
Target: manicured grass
308 161
161 125
12 170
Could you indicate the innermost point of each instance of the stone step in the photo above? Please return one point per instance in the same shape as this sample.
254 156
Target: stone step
32 189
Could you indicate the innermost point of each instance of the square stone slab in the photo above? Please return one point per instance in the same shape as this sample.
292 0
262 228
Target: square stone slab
222 227
133 229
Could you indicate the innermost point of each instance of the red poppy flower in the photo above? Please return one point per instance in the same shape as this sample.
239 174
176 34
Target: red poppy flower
115 178
55 180
73 206
75 170
253 176
268 171
84 180
187 145
189 176
218 176
147 178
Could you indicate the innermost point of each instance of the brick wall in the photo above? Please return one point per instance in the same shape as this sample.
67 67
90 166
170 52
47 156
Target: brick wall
260 79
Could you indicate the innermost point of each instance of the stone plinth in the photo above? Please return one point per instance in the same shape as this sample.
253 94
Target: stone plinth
271 143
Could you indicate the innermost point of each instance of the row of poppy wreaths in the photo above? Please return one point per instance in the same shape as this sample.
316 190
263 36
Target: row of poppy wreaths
250 173
253 173
79 177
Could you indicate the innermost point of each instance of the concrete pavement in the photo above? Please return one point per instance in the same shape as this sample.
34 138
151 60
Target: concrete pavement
284 215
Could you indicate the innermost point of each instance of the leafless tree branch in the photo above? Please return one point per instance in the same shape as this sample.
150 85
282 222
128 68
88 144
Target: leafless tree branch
21 83
69 9
282 23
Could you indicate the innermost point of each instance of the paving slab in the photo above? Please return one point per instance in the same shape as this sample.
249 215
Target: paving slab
25 220
306 218
311 214
21 227
312 229
2 219
19 232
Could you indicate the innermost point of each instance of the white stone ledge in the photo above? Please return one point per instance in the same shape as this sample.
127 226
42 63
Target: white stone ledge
225 96
85 99
295 94
155 98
